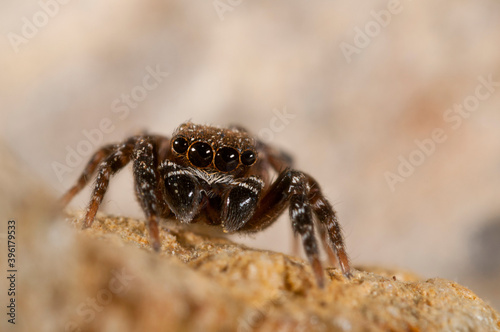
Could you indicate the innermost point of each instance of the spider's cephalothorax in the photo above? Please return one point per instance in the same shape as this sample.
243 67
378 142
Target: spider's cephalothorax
220 176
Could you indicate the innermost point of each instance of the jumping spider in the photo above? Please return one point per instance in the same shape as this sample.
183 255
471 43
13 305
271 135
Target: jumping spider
220 177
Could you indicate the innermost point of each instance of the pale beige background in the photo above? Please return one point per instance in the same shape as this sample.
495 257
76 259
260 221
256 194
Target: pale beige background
352 120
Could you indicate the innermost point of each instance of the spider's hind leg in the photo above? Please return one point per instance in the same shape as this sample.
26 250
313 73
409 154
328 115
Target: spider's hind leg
114 162
86 175
330 231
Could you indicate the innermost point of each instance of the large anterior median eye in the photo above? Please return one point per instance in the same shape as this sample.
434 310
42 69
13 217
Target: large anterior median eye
226 159
200 154
248 157
180 145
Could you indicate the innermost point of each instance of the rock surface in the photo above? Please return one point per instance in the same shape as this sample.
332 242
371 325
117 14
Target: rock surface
106 278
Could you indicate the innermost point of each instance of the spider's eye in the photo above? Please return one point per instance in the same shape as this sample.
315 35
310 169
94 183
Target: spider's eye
200 154
226 159
180 145
248 157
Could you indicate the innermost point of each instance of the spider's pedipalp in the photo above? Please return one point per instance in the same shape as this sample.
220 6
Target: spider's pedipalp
183 193
240 203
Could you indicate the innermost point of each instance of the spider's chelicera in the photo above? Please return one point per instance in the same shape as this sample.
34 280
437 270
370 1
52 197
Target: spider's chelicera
219 176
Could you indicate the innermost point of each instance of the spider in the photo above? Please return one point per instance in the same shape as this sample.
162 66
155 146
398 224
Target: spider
219 176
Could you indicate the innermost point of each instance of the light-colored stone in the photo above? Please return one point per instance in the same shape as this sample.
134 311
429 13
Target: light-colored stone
205 283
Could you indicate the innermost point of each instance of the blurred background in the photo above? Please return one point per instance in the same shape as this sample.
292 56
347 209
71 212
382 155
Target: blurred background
394 107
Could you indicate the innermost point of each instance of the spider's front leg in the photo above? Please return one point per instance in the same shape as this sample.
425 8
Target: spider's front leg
290 189
148 183
293 188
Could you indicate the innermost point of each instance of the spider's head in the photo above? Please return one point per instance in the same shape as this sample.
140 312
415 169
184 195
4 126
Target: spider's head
213 148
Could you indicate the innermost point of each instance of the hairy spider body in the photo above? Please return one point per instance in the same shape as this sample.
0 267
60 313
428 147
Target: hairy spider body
219 176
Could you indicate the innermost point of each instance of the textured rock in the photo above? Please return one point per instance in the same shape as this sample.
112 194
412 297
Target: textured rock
106 278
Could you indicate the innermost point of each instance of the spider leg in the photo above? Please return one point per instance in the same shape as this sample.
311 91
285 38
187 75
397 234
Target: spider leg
291 188
302 222
278 159
114 162
295 245
86 175
330 230
148 184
